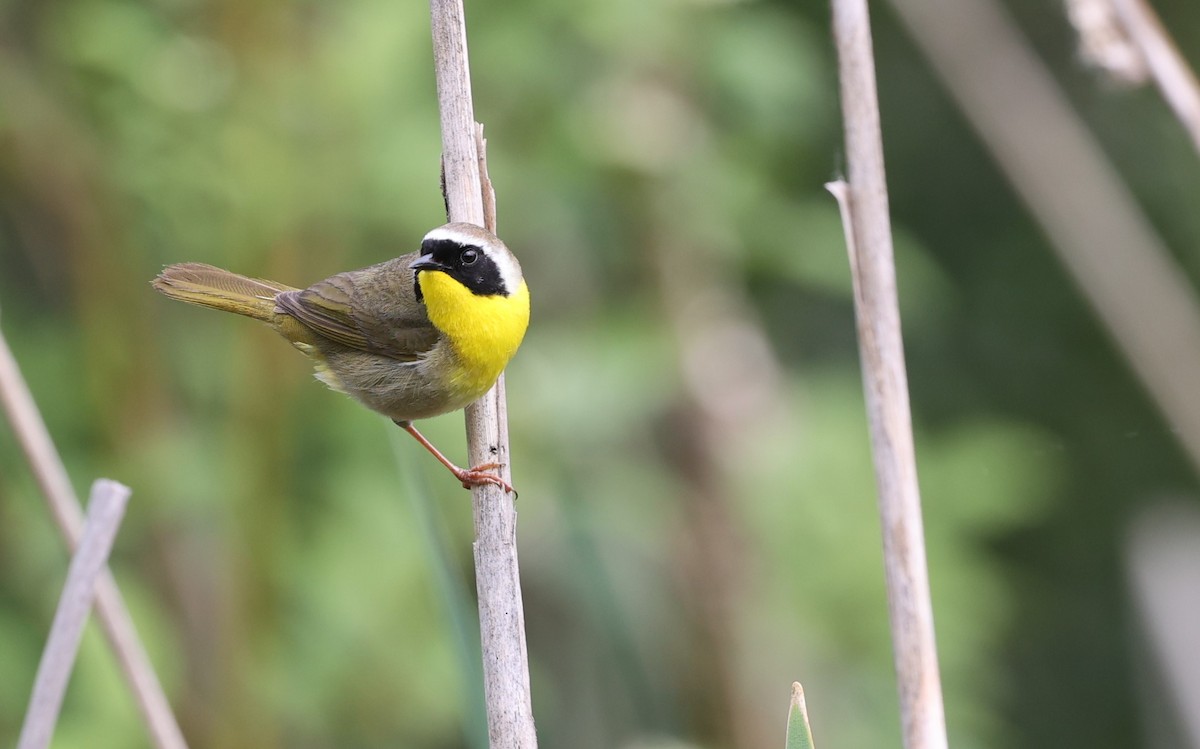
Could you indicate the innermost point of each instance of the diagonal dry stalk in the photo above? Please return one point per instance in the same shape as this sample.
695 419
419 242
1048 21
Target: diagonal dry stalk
497 577
106 508
864 203
1056 166
51 476
1127 40
1175 80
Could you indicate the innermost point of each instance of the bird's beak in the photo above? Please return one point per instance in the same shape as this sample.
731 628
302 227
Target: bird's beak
426 262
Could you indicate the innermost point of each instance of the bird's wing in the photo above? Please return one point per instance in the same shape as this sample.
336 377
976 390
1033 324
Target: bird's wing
374 309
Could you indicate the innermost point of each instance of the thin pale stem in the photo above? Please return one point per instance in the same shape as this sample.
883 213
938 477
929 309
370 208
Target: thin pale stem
106 508
1175 80
51 476
1058 169
497 578
864 203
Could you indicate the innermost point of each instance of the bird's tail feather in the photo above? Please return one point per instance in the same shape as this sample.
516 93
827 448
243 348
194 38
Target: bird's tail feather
207 286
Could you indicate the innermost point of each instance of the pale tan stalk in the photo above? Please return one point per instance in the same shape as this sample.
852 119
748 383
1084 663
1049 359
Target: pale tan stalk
864 203
1060 172
106 508
1175 80
51 476
497 578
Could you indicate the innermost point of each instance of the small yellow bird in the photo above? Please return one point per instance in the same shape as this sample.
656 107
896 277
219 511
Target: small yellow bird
421 335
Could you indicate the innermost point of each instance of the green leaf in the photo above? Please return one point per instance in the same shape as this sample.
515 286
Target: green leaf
799 735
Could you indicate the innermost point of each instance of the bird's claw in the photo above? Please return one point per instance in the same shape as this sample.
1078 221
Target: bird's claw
479 475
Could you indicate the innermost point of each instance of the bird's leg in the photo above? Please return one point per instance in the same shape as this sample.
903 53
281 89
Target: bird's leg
476 476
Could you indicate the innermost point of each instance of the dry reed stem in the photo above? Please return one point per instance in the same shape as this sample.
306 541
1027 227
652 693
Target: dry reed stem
864 204
1104 43
106 508
1061 174
1175 80
1162 557
497 577
51 476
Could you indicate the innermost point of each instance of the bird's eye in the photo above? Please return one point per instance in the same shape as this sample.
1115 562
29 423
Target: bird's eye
469 256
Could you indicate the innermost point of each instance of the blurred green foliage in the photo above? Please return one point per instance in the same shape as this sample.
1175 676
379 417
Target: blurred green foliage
294 587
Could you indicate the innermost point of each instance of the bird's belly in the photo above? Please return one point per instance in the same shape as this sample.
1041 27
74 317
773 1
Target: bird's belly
404 391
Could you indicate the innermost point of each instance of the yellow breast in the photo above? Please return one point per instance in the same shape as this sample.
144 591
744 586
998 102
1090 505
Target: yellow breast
483 331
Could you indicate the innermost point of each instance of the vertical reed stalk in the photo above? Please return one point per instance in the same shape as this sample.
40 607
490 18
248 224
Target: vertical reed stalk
497 577
864 203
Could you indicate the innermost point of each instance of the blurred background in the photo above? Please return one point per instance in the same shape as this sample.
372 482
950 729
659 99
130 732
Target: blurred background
697 508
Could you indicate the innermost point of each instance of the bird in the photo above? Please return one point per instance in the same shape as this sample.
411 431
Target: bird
417 336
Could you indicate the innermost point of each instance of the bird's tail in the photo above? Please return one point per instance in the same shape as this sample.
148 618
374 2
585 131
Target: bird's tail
197 283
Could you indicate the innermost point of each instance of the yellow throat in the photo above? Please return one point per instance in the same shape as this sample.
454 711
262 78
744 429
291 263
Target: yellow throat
483 331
